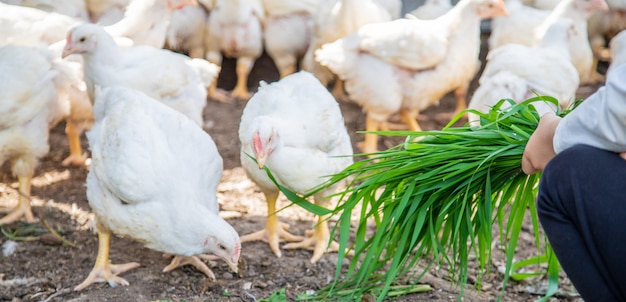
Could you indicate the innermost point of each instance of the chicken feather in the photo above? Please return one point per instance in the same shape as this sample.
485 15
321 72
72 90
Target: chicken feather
384 80
30 107
519 72
172 78
295 128
154 178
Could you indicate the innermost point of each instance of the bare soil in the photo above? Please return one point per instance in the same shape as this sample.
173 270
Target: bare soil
42 269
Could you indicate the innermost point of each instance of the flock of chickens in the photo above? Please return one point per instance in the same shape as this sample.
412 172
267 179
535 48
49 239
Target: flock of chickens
138 73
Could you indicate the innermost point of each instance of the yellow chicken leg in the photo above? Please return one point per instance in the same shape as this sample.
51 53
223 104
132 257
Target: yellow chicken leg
409 119
218 94
319 240
274 229
370 144
244 65
76 157
23 203
461 96
103 271
339 92
194 261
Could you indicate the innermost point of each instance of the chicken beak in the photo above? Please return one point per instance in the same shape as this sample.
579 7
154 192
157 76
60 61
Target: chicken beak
67 50
261 158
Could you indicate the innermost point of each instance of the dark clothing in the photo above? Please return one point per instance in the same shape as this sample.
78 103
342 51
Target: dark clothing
582 207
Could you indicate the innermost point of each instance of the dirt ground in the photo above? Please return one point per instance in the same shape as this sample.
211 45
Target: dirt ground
44 270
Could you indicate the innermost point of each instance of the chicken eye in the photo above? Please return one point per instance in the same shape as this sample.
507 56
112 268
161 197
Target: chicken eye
82 39
223 248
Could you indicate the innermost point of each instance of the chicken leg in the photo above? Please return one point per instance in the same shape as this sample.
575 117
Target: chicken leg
461 99
179 261
103 270
244 65
370 144
23 203
274 229
408 118
76 157
218 94
213 92
339 92
286 64
319 240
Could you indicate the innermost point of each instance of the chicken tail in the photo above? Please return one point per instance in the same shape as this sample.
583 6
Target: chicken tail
207 71
339 56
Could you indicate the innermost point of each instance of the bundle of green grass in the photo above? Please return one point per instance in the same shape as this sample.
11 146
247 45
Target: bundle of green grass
437 197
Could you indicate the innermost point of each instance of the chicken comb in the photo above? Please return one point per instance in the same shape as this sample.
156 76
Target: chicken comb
69 37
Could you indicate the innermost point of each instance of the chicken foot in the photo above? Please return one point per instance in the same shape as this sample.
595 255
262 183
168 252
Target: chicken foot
217 94
103 270
23 203
76 157
318 241
194 261
274 229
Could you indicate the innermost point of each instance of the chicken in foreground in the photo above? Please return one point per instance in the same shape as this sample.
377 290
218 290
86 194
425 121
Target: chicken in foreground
520 72
234 30
172 78
30 107
295 128
153 178
407 65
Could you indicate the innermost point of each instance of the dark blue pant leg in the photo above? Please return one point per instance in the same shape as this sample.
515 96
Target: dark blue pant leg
582 207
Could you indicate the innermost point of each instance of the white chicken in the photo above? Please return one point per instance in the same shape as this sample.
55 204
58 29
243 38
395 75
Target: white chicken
526 25
30 107
153 178
334 20
295 128
393 7
172 78
146 22
432 9
407 65
186 31
31 26
288 32
106 12
519 72
234 30
80 117
76 9
46 29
